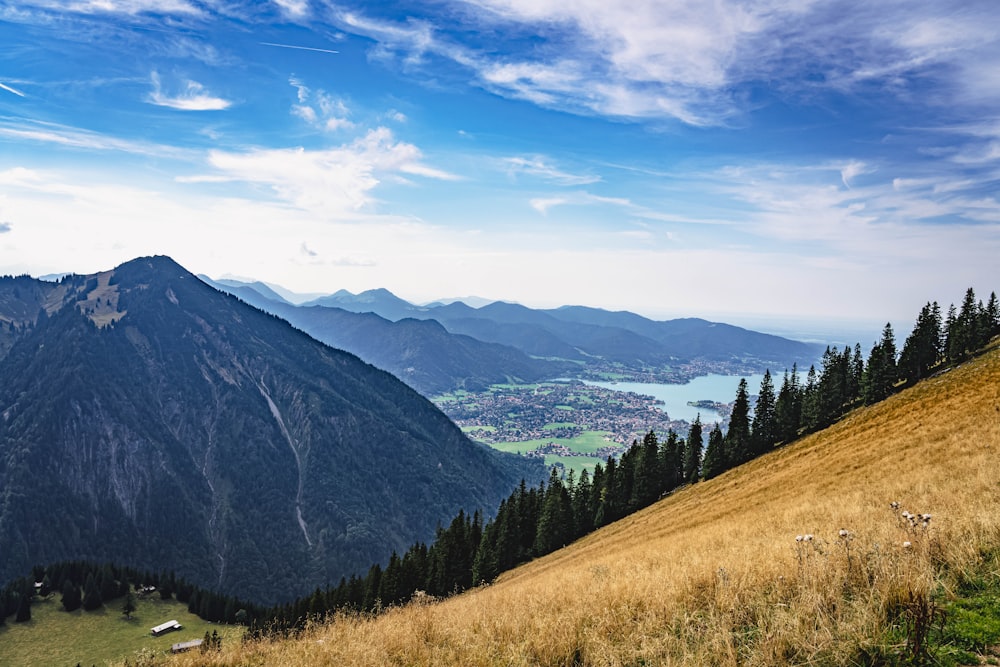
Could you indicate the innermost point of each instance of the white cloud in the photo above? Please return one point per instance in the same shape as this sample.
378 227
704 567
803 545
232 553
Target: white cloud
193 97
543 204
295 9
320 109
72 137
691 61
336 182
852 169
5 226
128 7
539 166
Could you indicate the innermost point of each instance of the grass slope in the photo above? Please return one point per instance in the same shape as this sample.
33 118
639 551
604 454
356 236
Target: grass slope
55 637
713 574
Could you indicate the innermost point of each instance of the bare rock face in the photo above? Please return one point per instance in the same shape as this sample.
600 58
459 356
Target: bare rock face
147 419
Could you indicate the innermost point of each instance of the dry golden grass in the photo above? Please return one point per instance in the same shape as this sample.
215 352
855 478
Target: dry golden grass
713 574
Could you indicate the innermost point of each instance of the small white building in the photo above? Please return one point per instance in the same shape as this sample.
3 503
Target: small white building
186 646
164 628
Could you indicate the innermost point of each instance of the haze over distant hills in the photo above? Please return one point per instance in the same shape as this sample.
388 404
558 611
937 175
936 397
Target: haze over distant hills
148 419
528 344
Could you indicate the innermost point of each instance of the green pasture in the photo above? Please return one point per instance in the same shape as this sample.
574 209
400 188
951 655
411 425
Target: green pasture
57 637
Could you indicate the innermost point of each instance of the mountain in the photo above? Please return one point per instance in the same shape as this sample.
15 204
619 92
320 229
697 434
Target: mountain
379 301
148 419
590 335
263 289
805 555
422 353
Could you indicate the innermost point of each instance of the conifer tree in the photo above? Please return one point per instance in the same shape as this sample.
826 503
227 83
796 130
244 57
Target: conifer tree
715 455
692 452
583 507
648 478
763 429
881 372
992 316
556 518
672 461
810 402
788 407
23 608
91 594
738 435
922 349
129 605
71 598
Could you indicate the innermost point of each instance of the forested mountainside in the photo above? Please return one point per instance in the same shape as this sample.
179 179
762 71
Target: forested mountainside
147 419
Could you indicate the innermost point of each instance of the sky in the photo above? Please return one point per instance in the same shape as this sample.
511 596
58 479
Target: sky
771 161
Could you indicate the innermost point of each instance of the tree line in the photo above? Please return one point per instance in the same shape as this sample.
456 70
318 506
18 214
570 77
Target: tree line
537 520
89 586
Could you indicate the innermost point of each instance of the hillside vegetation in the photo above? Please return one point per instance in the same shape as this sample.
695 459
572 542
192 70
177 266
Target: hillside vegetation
715 574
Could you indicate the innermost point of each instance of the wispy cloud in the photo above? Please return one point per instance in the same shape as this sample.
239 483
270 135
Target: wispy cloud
127 7
696 62
294 9
543 204
15 91
193 97
540 167
300 48
72 137
320 109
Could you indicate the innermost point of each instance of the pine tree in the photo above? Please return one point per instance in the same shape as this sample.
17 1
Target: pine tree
881 373
692 452
583 508
129 606
810 402
763 429
738 435
922 349
71 598
715 455
91 594
672 461
992 316
23 609
788 407
648 479
556 519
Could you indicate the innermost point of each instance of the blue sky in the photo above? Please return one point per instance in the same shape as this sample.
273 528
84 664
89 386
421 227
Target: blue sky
748 161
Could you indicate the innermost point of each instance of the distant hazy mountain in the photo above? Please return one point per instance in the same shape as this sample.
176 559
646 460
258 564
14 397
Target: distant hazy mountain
148 419
580 333
420 352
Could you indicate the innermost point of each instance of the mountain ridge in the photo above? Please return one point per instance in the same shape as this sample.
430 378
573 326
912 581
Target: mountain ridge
150 418
617 340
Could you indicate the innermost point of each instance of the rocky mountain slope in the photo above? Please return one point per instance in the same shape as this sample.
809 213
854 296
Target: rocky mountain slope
147 419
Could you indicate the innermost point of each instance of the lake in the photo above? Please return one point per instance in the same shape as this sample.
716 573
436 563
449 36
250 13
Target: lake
675 397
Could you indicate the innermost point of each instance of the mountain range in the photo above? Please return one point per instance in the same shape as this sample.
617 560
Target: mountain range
148 419
526 344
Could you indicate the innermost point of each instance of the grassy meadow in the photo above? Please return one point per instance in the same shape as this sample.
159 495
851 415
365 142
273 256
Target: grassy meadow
587 442
57 637
714 574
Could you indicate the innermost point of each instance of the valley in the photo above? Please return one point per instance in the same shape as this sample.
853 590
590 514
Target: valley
568 424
